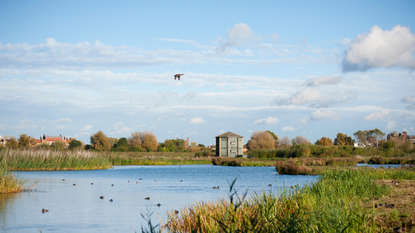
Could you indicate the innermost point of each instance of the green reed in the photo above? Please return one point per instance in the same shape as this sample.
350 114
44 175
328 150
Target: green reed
53 160
332 204
9 183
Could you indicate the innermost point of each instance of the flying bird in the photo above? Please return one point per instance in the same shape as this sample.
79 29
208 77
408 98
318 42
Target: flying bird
177 76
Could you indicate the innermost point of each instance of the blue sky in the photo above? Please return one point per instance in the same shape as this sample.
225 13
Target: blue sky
295 68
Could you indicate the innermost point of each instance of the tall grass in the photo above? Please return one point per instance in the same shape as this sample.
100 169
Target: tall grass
53 160
8 182
333 204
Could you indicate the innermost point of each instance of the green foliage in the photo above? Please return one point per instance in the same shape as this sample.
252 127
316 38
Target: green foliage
12 144
100 142
75 144
24 141
343 139
58 145
388 146
43 146
122 142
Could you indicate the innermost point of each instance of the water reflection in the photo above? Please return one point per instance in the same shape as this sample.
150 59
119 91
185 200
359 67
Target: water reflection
80 209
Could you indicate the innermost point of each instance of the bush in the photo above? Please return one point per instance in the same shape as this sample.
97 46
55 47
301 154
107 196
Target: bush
202 154
388 146
376 160
291 168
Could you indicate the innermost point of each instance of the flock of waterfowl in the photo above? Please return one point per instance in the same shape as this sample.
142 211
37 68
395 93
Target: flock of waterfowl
111 200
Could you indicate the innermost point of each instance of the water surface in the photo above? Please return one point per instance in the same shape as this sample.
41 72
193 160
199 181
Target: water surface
79 208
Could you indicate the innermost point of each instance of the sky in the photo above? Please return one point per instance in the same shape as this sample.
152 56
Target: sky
309 68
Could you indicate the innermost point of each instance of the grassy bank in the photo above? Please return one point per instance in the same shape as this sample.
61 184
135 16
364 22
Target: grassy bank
20 160
156 158
341 201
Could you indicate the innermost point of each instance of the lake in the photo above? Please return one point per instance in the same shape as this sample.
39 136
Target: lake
80 209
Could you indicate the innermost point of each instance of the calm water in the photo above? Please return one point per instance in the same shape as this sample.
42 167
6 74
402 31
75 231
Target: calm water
79 208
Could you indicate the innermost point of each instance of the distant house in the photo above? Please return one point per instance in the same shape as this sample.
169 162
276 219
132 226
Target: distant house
401 136
4 140
212 147
50 139
229 145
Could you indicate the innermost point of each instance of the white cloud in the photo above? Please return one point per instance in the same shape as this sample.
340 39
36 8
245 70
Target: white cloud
120 128
314 98
86 128
382 115
196 120
287 128
381 49
266 121
320 115
304 96
63 121
3 126
239 34
324 80
391 125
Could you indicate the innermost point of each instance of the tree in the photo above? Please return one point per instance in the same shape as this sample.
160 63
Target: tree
100 142
343 139
361 137
261 140
275 138
324 142
74 144
24 141
12 144
284 142
134 140
378 134
113 141
149 141
300 140
58 145
122 142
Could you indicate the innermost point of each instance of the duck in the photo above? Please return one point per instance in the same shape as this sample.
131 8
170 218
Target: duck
137 182
147 198
92 183
74 184
270 185
63 179
45 210
293 187
112 185
140 178
158 204
128 181
155 180
176 211
110 200
217 187
102 197
181 180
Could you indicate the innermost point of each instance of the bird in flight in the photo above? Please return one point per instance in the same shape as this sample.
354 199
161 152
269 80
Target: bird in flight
177 76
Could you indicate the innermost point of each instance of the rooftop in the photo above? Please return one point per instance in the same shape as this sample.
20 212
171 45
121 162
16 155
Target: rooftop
229 134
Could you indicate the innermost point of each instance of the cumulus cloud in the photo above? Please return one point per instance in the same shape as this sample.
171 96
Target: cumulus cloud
287 128
238 35
380 49
410 100
196 120
320 115
324 80
86 128
120 128
303 96
266 121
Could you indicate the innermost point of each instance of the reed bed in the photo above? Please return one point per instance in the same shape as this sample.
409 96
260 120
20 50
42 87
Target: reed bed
53 160
333 204
9 183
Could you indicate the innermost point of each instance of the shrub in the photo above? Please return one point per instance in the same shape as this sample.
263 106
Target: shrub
376 160
389 145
